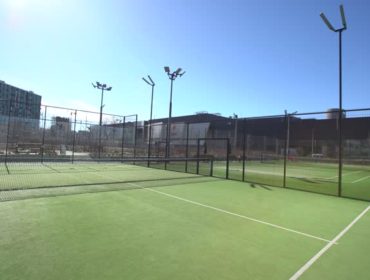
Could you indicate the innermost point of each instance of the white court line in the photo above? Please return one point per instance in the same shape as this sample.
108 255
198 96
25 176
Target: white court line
231 213
225 211
294 175
251 171
346 174
327 247
299 176
361 179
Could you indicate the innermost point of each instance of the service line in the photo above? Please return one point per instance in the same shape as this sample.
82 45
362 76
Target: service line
231 213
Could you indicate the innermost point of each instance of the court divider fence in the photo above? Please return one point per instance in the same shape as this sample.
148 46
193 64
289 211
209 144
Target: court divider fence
291 150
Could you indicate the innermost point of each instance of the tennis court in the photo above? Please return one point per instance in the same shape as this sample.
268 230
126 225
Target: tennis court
308 176
125 221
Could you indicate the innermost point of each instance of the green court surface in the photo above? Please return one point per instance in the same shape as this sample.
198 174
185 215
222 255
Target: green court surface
113 221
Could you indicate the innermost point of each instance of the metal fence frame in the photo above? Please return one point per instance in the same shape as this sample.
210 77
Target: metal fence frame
237 128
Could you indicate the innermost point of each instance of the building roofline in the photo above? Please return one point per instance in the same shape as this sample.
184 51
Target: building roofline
28 91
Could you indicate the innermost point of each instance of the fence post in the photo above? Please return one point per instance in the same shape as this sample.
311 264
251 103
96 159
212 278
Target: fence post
99 146
135 136
7 133
74 137
227 157
198 154
286 145
123 136
43 136
340 152
235 133
149 141
166 152
187 148
244 140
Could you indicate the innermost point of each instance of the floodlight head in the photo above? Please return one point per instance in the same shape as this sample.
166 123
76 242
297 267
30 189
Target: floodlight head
93 85
146 81
109 89
151 80
182 73
104 85
328 24
343 17
167 69
98 84
178 71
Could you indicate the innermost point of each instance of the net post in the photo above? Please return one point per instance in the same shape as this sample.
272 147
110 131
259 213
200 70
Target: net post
198 154
211 168
227 157
74 137
244 140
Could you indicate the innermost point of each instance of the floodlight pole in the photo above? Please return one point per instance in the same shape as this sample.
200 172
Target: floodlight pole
340 117
101 107
172 76
340 130
168 146
102 87
152 84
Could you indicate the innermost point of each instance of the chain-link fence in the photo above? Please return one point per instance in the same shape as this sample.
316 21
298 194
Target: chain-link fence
302 151
299 151
63 135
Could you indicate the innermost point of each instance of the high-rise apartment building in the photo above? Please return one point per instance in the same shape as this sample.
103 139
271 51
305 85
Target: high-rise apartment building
18 102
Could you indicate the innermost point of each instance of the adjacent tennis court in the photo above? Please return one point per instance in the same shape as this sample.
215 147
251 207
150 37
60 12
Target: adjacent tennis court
125 221
307 175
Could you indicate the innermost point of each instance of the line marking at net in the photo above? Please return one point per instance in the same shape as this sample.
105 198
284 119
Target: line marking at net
233 214
361 179
327 247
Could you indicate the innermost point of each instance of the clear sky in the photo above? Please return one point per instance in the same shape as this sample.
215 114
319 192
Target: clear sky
249 57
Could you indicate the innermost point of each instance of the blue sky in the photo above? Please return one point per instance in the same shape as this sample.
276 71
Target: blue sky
249 57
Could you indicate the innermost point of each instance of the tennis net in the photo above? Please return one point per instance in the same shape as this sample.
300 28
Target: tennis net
29 180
